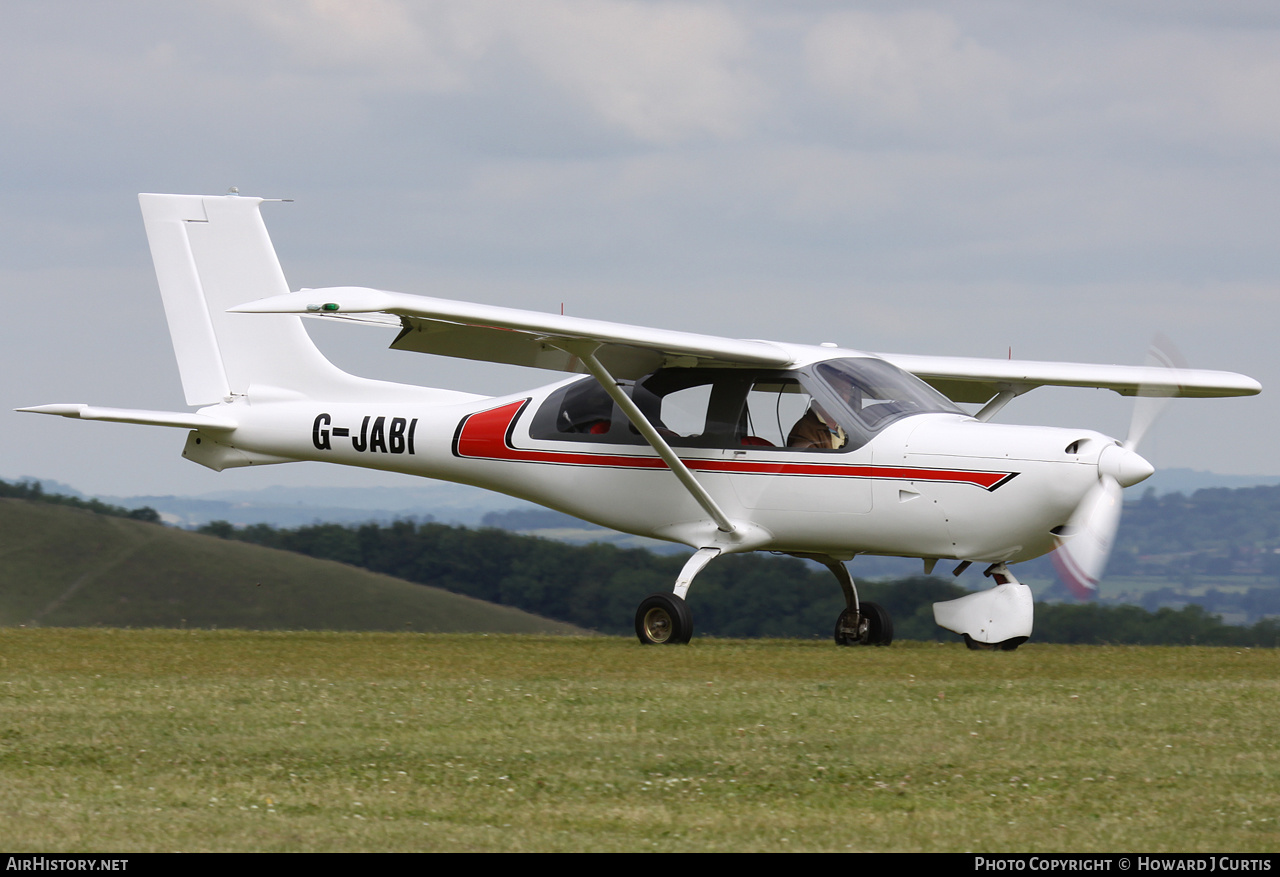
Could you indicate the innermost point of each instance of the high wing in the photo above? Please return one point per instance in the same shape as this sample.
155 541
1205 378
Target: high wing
516 337
963 379
531 338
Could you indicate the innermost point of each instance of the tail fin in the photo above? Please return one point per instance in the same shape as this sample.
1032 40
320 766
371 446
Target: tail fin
211 253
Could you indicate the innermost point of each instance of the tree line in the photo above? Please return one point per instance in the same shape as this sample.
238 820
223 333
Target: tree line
753 595
34 492
598 586
1213 532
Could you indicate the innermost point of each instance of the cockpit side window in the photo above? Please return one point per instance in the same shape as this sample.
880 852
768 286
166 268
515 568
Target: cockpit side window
689 407
581 411
685 405
838 406
740 408
773 407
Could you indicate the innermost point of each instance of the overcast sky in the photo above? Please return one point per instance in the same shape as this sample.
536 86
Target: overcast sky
1064 180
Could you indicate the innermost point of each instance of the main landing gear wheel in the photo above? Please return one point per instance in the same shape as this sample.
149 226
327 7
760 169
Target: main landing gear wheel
874 628
664 619
1007 646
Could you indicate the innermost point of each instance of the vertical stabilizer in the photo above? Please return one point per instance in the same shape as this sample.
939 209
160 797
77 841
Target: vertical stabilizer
211 253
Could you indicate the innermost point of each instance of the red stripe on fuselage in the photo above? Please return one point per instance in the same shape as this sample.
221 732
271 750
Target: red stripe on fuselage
487 435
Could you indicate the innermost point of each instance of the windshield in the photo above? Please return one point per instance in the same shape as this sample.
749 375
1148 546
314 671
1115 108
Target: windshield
878 393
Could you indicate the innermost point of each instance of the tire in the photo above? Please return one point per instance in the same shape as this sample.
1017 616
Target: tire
1008 645
663 619
879 625
874 629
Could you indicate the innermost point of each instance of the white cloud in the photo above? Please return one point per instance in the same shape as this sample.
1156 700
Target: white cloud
1208 88
657 72
384 43
910 69
661 72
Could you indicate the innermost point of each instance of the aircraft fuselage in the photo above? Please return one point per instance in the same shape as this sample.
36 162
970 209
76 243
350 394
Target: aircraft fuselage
934 485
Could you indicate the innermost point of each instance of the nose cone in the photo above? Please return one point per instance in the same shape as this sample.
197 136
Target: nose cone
1125 466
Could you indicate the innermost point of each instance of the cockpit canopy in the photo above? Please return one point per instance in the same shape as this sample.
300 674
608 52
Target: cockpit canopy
834 405
878 393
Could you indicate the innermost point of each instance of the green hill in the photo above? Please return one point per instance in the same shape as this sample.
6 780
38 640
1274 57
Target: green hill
68 567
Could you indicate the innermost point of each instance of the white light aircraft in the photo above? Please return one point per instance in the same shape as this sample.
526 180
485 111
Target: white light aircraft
722 445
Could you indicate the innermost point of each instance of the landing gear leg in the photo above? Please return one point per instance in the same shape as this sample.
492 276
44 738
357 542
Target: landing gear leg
665 619
861 623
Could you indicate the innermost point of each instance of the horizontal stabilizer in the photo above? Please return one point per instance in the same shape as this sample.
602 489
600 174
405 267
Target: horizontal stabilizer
182 420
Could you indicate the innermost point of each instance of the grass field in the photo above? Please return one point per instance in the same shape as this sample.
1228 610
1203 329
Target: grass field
225 740
65 567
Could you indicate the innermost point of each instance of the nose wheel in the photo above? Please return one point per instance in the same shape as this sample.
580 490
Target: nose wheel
663 619
870 626
1007 646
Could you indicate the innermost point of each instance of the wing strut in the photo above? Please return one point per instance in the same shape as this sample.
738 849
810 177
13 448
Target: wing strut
586 351
1008 392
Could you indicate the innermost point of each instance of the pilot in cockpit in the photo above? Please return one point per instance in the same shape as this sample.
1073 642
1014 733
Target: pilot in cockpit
817 428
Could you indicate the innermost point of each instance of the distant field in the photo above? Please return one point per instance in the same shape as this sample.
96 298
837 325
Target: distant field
228 740
1134 587
1131 589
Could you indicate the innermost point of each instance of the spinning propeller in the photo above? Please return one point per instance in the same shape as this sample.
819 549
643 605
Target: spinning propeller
1086 543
